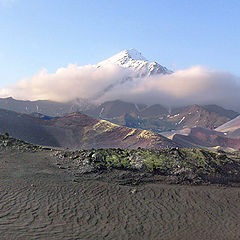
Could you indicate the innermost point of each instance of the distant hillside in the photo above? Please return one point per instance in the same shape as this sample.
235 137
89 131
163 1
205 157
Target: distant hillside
45 107
114 109
200 137
157 118
208 116
154 118
78 131
231 128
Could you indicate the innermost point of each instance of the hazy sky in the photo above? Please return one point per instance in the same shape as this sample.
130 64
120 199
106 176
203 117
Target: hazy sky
37 34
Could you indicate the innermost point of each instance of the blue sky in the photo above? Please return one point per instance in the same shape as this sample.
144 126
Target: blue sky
37 34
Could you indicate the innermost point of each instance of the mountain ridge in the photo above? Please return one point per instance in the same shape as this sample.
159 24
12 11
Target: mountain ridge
132 59
78 130
154 117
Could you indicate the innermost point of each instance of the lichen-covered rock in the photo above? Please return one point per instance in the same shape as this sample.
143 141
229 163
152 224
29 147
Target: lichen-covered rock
7 142
137 162
187 165
191 165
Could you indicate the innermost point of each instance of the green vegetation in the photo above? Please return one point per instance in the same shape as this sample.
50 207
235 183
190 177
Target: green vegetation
193 165
173 161
110 158
7 142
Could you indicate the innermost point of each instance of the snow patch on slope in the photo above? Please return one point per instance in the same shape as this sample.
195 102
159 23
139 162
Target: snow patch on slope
132 59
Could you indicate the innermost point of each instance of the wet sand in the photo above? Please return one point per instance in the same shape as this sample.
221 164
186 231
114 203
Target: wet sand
39 200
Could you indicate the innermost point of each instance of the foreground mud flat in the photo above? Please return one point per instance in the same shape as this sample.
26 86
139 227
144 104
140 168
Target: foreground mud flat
46 195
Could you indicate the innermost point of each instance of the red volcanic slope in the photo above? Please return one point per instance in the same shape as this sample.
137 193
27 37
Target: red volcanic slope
208 138
78 131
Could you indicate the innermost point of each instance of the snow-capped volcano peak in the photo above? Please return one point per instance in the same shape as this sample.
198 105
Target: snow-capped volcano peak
133 54
124 56
134 60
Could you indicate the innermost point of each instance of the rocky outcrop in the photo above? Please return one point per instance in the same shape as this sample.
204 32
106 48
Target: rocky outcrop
191 166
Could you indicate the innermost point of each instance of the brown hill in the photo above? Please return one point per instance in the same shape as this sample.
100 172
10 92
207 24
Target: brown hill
155 110
209 116
200 137
157 118
231 128
78 131
114 109
45 107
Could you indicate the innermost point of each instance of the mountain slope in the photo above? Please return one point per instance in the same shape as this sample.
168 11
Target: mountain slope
45 107
231 128
132 59
133 66
157 117
78 131
114 109
208 116
200 137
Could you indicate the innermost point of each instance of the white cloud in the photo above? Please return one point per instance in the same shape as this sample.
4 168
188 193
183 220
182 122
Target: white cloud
66 84
196 85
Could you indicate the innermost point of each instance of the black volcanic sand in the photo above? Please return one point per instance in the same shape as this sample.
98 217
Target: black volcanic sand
41 200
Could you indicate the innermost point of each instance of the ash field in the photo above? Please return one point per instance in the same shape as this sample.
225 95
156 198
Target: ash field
50 193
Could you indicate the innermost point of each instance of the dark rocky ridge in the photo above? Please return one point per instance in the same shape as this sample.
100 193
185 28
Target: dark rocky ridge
41 199
173 165
185 166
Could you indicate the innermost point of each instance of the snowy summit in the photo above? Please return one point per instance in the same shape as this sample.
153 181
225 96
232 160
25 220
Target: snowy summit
135 61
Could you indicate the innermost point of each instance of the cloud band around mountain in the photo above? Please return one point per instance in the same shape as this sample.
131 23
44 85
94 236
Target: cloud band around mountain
196 85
